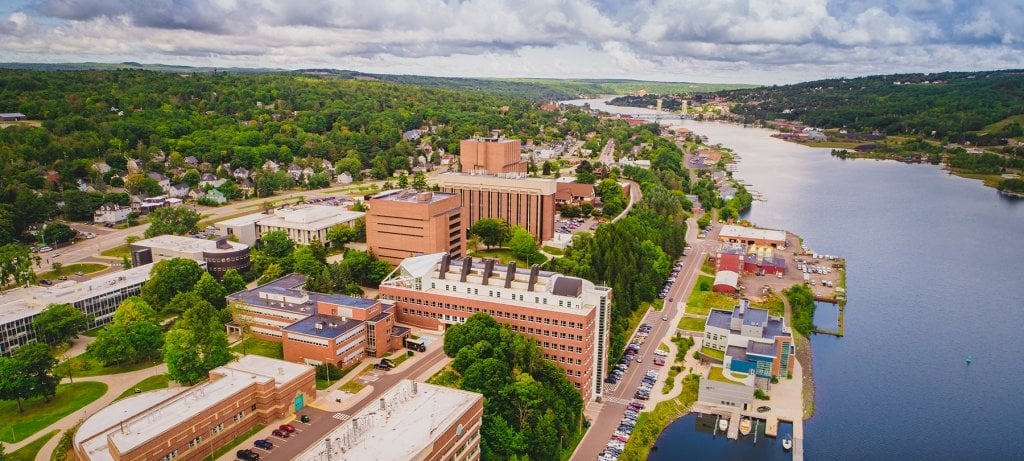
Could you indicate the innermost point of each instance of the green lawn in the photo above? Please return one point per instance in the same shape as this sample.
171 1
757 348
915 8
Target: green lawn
773 304
258 346
650 424
70 269
701 302
93 332
119 251
692 323
714 353
447 377
39 414
30 451
553 251
86 365
148 384
505 255
234 443
322 384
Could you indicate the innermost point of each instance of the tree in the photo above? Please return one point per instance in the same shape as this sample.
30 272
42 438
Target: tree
209 289
14 382
133 335
492 231
168 278
305 262
172 220
546 168
271 273
191 177
403 181
37 362
196 344
276 244
58 323
140 184
232 282
523 245
57 268
55 233
16 264
419 181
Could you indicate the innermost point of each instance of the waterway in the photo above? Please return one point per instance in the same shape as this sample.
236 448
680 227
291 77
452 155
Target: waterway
935 270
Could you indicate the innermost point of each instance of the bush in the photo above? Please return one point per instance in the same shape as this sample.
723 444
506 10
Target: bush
760 395
775 380
328 372
705 285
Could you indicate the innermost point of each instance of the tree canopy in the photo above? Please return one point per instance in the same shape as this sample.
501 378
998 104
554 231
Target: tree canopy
196 344
58 323
168 278
492 231
177 220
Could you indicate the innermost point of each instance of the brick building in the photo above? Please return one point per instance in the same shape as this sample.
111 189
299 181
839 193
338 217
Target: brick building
494 155
411 420
317 328
403 223
568 316
520 201
191 423
570 192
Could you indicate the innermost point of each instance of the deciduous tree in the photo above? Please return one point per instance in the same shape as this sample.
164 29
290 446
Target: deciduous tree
58 323
196 344
178 220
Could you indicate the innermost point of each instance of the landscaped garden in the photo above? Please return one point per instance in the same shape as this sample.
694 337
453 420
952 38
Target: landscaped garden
39 413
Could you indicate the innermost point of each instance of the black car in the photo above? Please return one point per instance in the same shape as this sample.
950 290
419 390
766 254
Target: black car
247 455
45 282
264 444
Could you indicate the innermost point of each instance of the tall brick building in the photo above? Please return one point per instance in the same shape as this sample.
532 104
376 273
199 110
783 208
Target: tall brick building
520 201
568 316
403 223
494 155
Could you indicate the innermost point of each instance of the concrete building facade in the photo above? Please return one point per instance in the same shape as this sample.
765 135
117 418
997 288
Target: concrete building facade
726 388
302 224
192 423
568 316
525 202
220 255
404 223
494 155
411 421
752 236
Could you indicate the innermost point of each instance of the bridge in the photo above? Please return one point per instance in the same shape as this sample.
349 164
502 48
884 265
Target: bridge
666 116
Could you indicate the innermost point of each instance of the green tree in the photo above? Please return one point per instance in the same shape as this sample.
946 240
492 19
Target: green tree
196 344
16 264
56 233
403 181
57 268
15 384
419 181
271 273
492 231
191 177
209 289
232 281
305 262
276 244
37 362
523 246
168 278
58 323
546 168
140 184
172 220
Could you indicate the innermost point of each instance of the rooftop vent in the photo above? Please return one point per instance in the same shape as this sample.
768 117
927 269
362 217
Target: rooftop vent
488 269
467 267
534 273
510 274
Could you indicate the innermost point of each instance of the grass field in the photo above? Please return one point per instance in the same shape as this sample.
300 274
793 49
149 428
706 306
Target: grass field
119 251
1006 121
39 413
447 377
701 302
692 323
148 384
30 451
505 255
86 365
773 304
70 269
257 346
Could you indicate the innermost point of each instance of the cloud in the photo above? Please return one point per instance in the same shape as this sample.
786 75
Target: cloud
777 41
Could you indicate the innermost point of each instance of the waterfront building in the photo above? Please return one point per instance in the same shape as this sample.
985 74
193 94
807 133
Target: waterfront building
191 423
302 224
404 223
568 316
725 387
749 340
97 297
520 201
220 255
493 155
753 236
316 328
412 420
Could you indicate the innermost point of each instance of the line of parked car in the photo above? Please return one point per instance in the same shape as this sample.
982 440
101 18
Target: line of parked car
644 391
671 279
569 225
283 431
621 435
632 352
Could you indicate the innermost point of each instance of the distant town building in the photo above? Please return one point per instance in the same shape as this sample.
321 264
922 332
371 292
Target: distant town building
412 420
111 213
12 117
302 224
97 297
219 255
404 223
494 155
753 236
192 423
520 201
568 316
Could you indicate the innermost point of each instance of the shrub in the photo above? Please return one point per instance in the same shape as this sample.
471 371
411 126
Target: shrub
760 395
328 372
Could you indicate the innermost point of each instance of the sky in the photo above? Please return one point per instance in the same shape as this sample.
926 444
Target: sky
719 41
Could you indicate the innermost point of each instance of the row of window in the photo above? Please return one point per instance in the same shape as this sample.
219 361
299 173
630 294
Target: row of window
493 313
561 359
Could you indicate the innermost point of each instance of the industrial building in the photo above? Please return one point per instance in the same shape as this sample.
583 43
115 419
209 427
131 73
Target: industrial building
568 316
753 236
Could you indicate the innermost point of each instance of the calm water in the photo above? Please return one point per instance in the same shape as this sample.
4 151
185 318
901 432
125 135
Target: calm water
936 265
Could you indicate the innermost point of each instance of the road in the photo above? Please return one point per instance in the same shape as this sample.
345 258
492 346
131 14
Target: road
606 416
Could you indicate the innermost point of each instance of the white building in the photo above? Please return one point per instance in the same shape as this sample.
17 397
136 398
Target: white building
111 213
98 297
219 255
303 224
727 388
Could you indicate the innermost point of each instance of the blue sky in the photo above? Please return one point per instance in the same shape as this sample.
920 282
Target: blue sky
748 41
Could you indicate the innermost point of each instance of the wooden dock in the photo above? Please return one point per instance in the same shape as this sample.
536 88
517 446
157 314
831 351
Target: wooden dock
771 427
734 426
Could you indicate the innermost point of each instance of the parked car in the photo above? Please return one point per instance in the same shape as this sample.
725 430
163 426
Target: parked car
63 277
280 433
287 428
247 455
45 249
46 282
264 444
79 273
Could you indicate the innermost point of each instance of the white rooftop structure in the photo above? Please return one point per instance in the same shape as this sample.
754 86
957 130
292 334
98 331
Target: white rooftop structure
28 301
180 244
413 416
731 231
243 220
310 217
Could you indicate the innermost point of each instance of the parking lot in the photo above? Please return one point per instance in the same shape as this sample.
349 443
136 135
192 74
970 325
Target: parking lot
574 225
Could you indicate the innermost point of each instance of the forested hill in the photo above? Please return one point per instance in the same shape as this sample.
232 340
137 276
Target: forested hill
948 104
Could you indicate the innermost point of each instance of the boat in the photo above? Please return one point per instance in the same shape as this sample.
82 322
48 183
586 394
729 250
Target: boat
968 360
745 426
723 424
787 444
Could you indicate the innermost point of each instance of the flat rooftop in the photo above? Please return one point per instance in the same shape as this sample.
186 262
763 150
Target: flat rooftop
330 326
190 244
310 217
291 286
752 233
408 426
24 302
412 196
719 318
242 220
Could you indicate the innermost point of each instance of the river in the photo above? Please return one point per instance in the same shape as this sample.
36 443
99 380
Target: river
935 269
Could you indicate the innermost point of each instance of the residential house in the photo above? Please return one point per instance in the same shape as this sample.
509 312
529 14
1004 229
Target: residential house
101 167
327 166
307 172
111 213
178 190
570 192
205 166
163 181
345 178
196 194
271 166
241 172
211 181
216 196
295 171
191 161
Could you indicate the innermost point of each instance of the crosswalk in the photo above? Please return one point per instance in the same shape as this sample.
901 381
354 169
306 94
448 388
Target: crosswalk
615 400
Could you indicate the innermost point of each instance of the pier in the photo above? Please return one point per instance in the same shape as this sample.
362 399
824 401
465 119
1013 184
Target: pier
771 428
840 323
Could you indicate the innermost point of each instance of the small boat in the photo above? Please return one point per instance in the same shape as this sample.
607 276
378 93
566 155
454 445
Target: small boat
723 424
787 444
968 360
745 426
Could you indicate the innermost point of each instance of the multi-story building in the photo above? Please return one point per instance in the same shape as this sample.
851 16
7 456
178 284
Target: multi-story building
98 297
317 328
220 255
111 213
412 420
191 423
494 155
749 341
568 316
302 224
520 201
570 192
403 223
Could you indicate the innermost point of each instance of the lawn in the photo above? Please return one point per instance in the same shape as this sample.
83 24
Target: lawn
692 323
234 443
701 302
70 269
650 424
258 346
93 332
119 251
322 384
30 451
713 353
354 385
39 414
773 304
447 377
505 255
86 365
553 250
148 384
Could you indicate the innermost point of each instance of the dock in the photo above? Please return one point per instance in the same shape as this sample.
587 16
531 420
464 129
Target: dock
734 426
771 428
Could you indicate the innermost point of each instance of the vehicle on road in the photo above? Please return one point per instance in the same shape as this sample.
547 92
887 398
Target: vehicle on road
664 317
45 249
79 273
46 282
63 277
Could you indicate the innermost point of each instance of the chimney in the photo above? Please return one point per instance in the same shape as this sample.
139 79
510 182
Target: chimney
467 266
488 269
534 272
510 274
446 262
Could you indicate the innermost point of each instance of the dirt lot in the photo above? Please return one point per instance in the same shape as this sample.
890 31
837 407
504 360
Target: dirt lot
821 272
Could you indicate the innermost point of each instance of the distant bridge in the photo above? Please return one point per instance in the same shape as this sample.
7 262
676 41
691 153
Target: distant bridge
657 117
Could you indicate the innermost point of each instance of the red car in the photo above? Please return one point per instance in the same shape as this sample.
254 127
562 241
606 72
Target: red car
287 428
280 433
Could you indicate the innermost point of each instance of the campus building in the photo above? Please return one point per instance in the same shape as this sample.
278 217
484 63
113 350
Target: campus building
568 316
404 223
752 236
570 192
316 328
520 201
749 341
97 297
302 224
412 420
494 155
220 255
191 423
727 388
